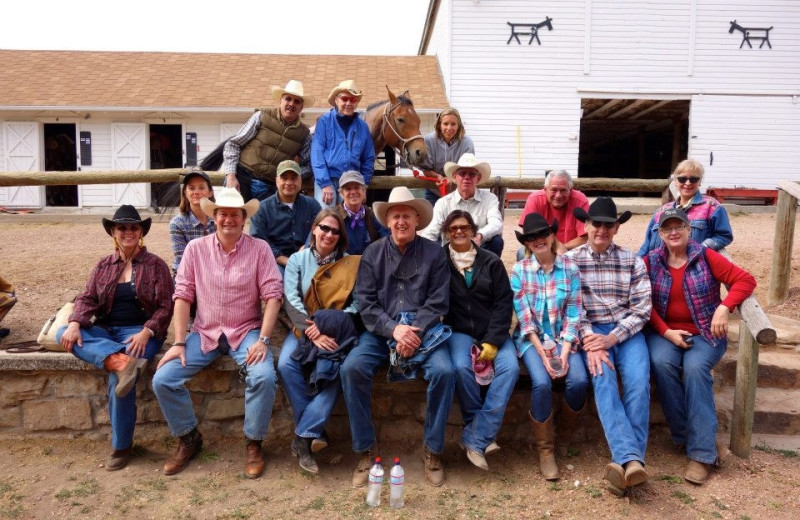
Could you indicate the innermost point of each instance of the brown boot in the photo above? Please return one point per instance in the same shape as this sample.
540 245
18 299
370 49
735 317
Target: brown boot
434 469
128 370
118 459
568 424
543 434
189 446
116 362
254 466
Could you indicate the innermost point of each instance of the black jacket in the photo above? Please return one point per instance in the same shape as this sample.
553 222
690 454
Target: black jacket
483 310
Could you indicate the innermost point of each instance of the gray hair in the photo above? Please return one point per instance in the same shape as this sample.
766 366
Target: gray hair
558 173
688 166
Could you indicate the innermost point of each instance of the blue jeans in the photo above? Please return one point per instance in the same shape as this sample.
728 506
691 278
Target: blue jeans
337 198
169 385
625 419
576 383
357 372
482 416
495 245
311 413
684 387
99 343
432 196
250 187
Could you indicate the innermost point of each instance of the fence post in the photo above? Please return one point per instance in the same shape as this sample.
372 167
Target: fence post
744 395
780 274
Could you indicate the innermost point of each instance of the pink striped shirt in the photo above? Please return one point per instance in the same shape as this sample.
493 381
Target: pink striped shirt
228 287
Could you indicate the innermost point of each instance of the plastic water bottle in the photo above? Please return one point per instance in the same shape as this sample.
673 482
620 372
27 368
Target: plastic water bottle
375 483
397 479
549 347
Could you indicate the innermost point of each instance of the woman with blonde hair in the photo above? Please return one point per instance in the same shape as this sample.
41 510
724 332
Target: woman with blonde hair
445 144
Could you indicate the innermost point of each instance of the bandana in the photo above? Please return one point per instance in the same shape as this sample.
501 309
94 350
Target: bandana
323 260
463 261
356 217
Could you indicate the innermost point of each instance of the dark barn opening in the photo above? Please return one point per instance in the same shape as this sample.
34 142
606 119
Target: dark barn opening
166 151
60 155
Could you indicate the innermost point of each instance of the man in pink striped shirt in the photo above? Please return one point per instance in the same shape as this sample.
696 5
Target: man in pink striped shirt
228 275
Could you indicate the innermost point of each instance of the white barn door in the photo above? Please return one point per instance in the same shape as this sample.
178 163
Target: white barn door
22 155
128 153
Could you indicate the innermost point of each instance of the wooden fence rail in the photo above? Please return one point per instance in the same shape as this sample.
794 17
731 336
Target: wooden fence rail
788 195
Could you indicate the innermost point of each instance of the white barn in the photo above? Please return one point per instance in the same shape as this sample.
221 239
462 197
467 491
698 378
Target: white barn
623 88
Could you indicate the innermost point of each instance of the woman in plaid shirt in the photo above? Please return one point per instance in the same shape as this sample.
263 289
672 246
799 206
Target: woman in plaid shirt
547 300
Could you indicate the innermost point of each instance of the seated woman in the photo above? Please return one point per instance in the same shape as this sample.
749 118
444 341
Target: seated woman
447 143
547 300
130 294
710 225
309 342
690 321
191 222
360 224
480 316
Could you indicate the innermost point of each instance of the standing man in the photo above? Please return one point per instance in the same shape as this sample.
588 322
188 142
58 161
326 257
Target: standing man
341 142
616 305
558 201
228 275
401 278
285 219
271 135
483 205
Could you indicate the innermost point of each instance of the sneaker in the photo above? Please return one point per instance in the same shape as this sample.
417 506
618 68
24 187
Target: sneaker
361 474
696 472
491 449
434 470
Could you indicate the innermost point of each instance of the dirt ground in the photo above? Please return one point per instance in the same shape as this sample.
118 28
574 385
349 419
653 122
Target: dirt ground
49 261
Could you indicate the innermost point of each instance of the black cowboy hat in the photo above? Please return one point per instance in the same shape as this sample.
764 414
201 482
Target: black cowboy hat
534 223
127 214
602 210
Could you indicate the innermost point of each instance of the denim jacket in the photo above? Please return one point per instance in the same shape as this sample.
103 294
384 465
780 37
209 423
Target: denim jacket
402 368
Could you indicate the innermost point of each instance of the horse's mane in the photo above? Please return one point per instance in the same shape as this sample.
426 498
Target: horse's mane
401 100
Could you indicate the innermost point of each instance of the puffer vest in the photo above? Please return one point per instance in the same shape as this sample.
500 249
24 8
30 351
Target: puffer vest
272 144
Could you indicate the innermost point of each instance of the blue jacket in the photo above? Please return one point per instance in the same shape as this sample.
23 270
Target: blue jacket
709 221
333 152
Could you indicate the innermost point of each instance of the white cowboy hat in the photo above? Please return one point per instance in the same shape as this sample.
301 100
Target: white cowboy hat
229 198
402 196
294 88
348 86
468 160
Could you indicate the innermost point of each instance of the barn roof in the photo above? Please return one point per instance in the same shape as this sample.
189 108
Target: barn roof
202 80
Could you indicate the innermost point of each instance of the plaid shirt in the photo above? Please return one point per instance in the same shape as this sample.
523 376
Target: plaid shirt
615 289
153 290
557 293
185 228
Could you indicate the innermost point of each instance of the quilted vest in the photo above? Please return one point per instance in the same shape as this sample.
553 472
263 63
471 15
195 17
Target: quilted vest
272 144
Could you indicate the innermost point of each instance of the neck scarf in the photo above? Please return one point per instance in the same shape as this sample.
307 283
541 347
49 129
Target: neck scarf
463 261
323 260
357 217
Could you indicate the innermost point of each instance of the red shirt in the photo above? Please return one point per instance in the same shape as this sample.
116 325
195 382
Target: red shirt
569 227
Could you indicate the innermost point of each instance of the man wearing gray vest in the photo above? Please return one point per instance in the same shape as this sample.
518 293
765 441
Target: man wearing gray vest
271 135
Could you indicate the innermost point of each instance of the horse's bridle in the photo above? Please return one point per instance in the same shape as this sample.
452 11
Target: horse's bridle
402 151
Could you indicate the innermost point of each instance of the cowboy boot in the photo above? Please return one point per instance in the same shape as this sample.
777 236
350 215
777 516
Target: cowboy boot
127 369
568 424
543 434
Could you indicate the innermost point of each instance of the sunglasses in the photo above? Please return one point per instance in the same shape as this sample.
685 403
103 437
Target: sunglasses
607 225
348 99
463 228
327 229
128 227
537 236
683 179
467 174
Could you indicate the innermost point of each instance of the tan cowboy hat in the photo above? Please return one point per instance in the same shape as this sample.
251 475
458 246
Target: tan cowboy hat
294 88
229 198
402 196
468 160
348 86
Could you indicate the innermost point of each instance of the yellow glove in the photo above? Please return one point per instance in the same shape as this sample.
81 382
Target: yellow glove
488 352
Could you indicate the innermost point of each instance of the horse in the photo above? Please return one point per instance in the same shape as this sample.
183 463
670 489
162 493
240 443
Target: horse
394 126
752 33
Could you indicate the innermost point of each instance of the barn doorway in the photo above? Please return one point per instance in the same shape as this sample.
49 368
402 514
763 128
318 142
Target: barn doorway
166 151
60 154
632 138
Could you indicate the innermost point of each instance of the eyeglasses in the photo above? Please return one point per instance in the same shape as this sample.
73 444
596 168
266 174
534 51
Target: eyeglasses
128 227
468 173
327 229
607 225
462 229
348 99
673 229
683 179
537 235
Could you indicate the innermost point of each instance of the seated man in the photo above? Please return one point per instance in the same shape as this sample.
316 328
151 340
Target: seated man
361 226
558 201
228 275
483 205
284 219
401 278
616 305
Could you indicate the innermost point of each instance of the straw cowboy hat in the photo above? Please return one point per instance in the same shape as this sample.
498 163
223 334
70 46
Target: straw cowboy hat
348 86
468 160
402 196
535 223
127 214
229 198
602 210
294 88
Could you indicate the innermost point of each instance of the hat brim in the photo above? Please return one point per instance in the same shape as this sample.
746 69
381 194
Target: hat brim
108 224
483 168
278 92
209 206
338 90
581 215
523 237
421 206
